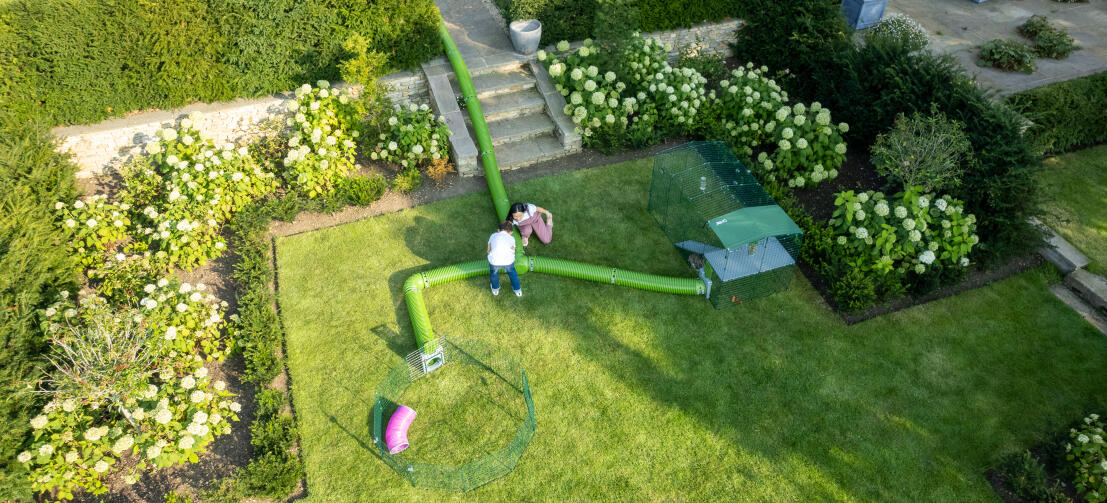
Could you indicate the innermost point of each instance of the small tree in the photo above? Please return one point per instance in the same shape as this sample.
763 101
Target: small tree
923 151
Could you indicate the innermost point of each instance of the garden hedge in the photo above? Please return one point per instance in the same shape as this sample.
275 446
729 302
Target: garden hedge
80 62
1067 115
34 266
578 19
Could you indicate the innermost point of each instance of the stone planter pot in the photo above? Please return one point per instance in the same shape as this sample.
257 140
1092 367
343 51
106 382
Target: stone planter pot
861 14
525 35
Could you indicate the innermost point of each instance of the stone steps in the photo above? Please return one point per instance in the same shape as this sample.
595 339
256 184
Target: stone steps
505 106
517 154
501 82
516 98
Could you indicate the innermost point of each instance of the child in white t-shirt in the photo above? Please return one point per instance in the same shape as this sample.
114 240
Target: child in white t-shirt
501 256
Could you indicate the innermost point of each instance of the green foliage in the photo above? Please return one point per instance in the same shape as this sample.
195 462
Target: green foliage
1067 115
1049 41
711 66
175 497
411 137
1088 454
869 86
809 147
325 126
900 30
853 291
81 62
1011 55
655 15
924 151
271 476
407 181
276 472
910 231
798 37
747 101
34 266
362 190
1026 478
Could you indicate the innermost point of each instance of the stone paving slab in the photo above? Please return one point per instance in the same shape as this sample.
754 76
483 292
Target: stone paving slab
959 27
1058 251
1092 287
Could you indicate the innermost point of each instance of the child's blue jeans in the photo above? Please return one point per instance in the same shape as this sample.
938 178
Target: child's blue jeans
494 276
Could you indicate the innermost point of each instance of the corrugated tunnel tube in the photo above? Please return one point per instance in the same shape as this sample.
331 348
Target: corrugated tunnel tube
420 281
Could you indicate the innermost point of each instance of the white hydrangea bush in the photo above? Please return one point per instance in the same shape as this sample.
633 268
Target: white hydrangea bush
93 224
412 137
1088 453
809 148
322 140
749 100
908 232
79 438
594 99
184 192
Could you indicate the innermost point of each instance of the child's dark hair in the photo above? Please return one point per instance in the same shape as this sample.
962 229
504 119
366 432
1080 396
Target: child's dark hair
517 208
505 226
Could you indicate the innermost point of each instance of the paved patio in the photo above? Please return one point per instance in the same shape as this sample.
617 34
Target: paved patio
961 26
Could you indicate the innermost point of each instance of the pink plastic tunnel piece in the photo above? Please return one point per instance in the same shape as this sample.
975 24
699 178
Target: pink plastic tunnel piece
395 436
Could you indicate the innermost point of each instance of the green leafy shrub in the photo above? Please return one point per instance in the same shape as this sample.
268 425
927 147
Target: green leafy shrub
160 407
321 143
1026 478
854 290
797 37
34 266
81 62
407 181
923 151
94 224
362 190
898 29
747 101
711 66
561 19
412 137
658 15
271 476
909 232
809 147
1011 55
1088 454
868 87
1049 41
1067 115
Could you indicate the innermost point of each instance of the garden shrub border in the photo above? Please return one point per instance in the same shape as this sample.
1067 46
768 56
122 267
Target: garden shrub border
1066 116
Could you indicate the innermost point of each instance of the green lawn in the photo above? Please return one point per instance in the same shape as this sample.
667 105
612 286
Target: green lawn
1074 194
650 397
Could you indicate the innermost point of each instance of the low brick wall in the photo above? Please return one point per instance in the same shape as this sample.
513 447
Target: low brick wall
100 146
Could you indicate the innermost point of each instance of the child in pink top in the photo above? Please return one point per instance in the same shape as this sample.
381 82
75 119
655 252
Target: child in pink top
528 218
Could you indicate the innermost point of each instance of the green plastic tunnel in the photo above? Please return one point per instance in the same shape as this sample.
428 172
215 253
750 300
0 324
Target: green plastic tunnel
418 282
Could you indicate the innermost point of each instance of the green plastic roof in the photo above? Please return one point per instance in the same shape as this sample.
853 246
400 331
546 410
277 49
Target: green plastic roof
746 225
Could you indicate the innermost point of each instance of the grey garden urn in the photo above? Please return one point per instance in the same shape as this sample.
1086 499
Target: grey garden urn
525 35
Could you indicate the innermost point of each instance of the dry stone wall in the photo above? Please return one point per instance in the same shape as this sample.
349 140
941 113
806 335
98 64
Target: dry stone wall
98 147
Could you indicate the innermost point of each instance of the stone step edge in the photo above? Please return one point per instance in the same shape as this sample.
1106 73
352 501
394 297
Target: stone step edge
523 136
555 107
1071 299
1089 286
462 147
1059 251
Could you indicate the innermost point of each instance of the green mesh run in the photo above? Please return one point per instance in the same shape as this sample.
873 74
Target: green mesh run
712 209
475 417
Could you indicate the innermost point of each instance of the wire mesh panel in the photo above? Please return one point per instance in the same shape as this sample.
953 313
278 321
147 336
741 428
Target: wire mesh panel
707 203
480 361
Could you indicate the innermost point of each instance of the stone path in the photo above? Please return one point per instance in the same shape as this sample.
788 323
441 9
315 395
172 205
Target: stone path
476 28
961 26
